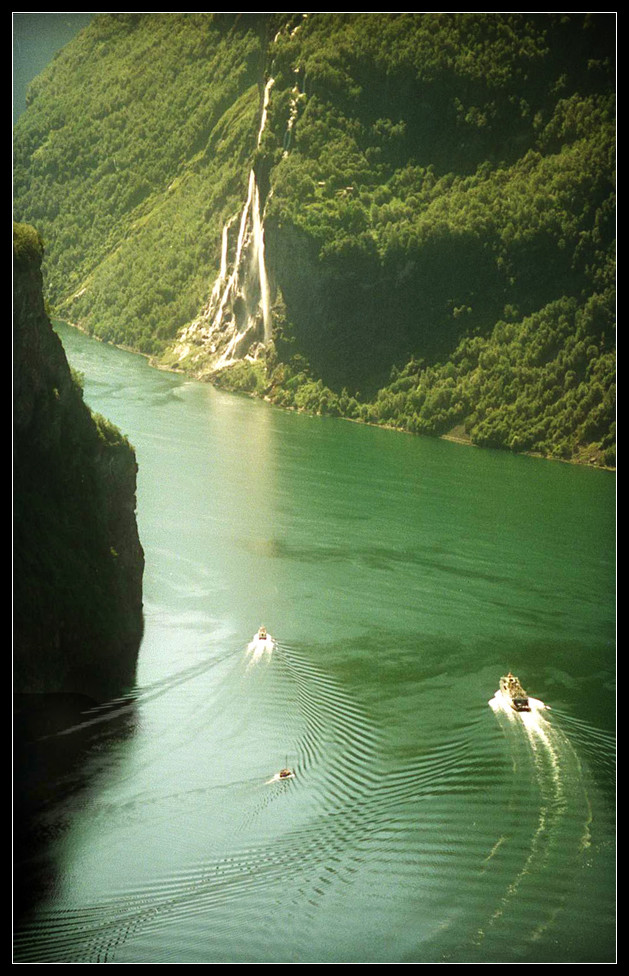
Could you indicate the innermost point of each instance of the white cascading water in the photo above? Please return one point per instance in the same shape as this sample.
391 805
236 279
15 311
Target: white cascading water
296 94
237 320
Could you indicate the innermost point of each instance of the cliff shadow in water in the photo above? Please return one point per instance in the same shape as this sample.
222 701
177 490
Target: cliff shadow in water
78 566
55 737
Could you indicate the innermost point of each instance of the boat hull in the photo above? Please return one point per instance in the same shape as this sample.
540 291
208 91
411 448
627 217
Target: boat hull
520 704
512 690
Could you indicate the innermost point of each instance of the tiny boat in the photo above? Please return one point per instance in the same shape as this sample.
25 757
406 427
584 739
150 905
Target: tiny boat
283 774
512 690
261 645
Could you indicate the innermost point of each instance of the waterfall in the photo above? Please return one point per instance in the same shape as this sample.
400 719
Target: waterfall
265 106
218 284
258 238
297 93
236 322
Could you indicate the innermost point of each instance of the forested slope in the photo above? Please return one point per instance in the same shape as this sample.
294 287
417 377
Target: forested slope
437 194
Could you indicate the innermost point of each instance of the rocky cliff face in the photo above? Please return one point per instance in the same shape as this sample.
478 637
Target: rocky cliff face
78 561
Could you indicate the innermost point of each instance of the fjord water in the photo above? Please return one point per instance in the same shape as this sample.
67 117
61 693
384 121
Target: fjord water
400 577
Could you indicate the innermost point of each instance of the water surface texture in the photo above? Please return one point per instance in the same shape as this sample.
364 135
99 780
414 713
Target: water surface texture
399 578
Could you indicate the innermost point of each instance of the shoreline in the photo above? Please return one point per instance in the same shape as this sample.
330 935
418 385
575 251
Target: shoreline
455 436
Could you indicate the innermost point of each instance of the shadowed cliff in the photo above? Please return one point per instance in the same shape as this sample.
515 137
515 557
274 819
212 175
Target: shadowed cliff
78 561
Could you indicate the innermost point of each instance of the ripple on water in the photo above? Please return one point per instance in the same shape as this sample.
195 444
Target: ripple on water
354 815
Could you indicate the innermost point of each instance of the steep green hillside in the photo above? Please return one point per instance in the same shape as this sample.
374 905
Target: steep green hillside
437 192
134 146
78 562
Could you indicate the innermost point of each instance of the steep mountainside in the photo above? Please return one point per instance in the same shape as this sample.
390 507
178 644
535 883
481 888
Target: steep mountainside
78 562
405 218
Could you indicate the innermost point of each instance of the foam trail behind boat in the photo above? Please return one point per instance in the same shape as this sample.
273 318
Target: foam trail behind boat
260 648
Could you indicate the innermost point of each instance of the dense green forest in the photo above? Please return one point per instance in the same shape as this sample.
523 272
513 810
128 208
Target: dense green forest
438 197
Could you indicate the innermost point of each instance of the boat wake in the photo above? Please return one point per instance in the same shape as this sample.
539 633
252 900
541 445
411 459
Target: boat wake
502 703
549 803
247 857
280 777
356 809
260 648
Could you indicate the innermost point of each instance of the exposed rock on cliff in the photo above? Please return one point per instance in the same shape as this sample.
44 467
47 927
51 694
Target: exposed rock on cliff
78 561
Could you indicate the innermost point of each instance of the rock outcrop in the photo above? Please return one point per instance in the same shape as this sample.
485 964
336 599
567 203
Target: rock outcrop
78 560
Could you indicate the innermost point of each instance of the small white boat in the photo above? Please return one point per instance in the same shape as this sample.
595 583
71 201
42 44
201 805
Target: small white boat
261 645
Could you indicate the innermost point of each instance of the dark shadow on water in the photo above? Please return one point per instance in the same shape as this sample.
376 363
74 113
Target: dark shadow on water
430 559
53 738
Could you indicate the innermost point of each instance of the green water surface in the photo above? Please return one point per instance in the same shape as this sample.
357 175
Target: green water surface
400 577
